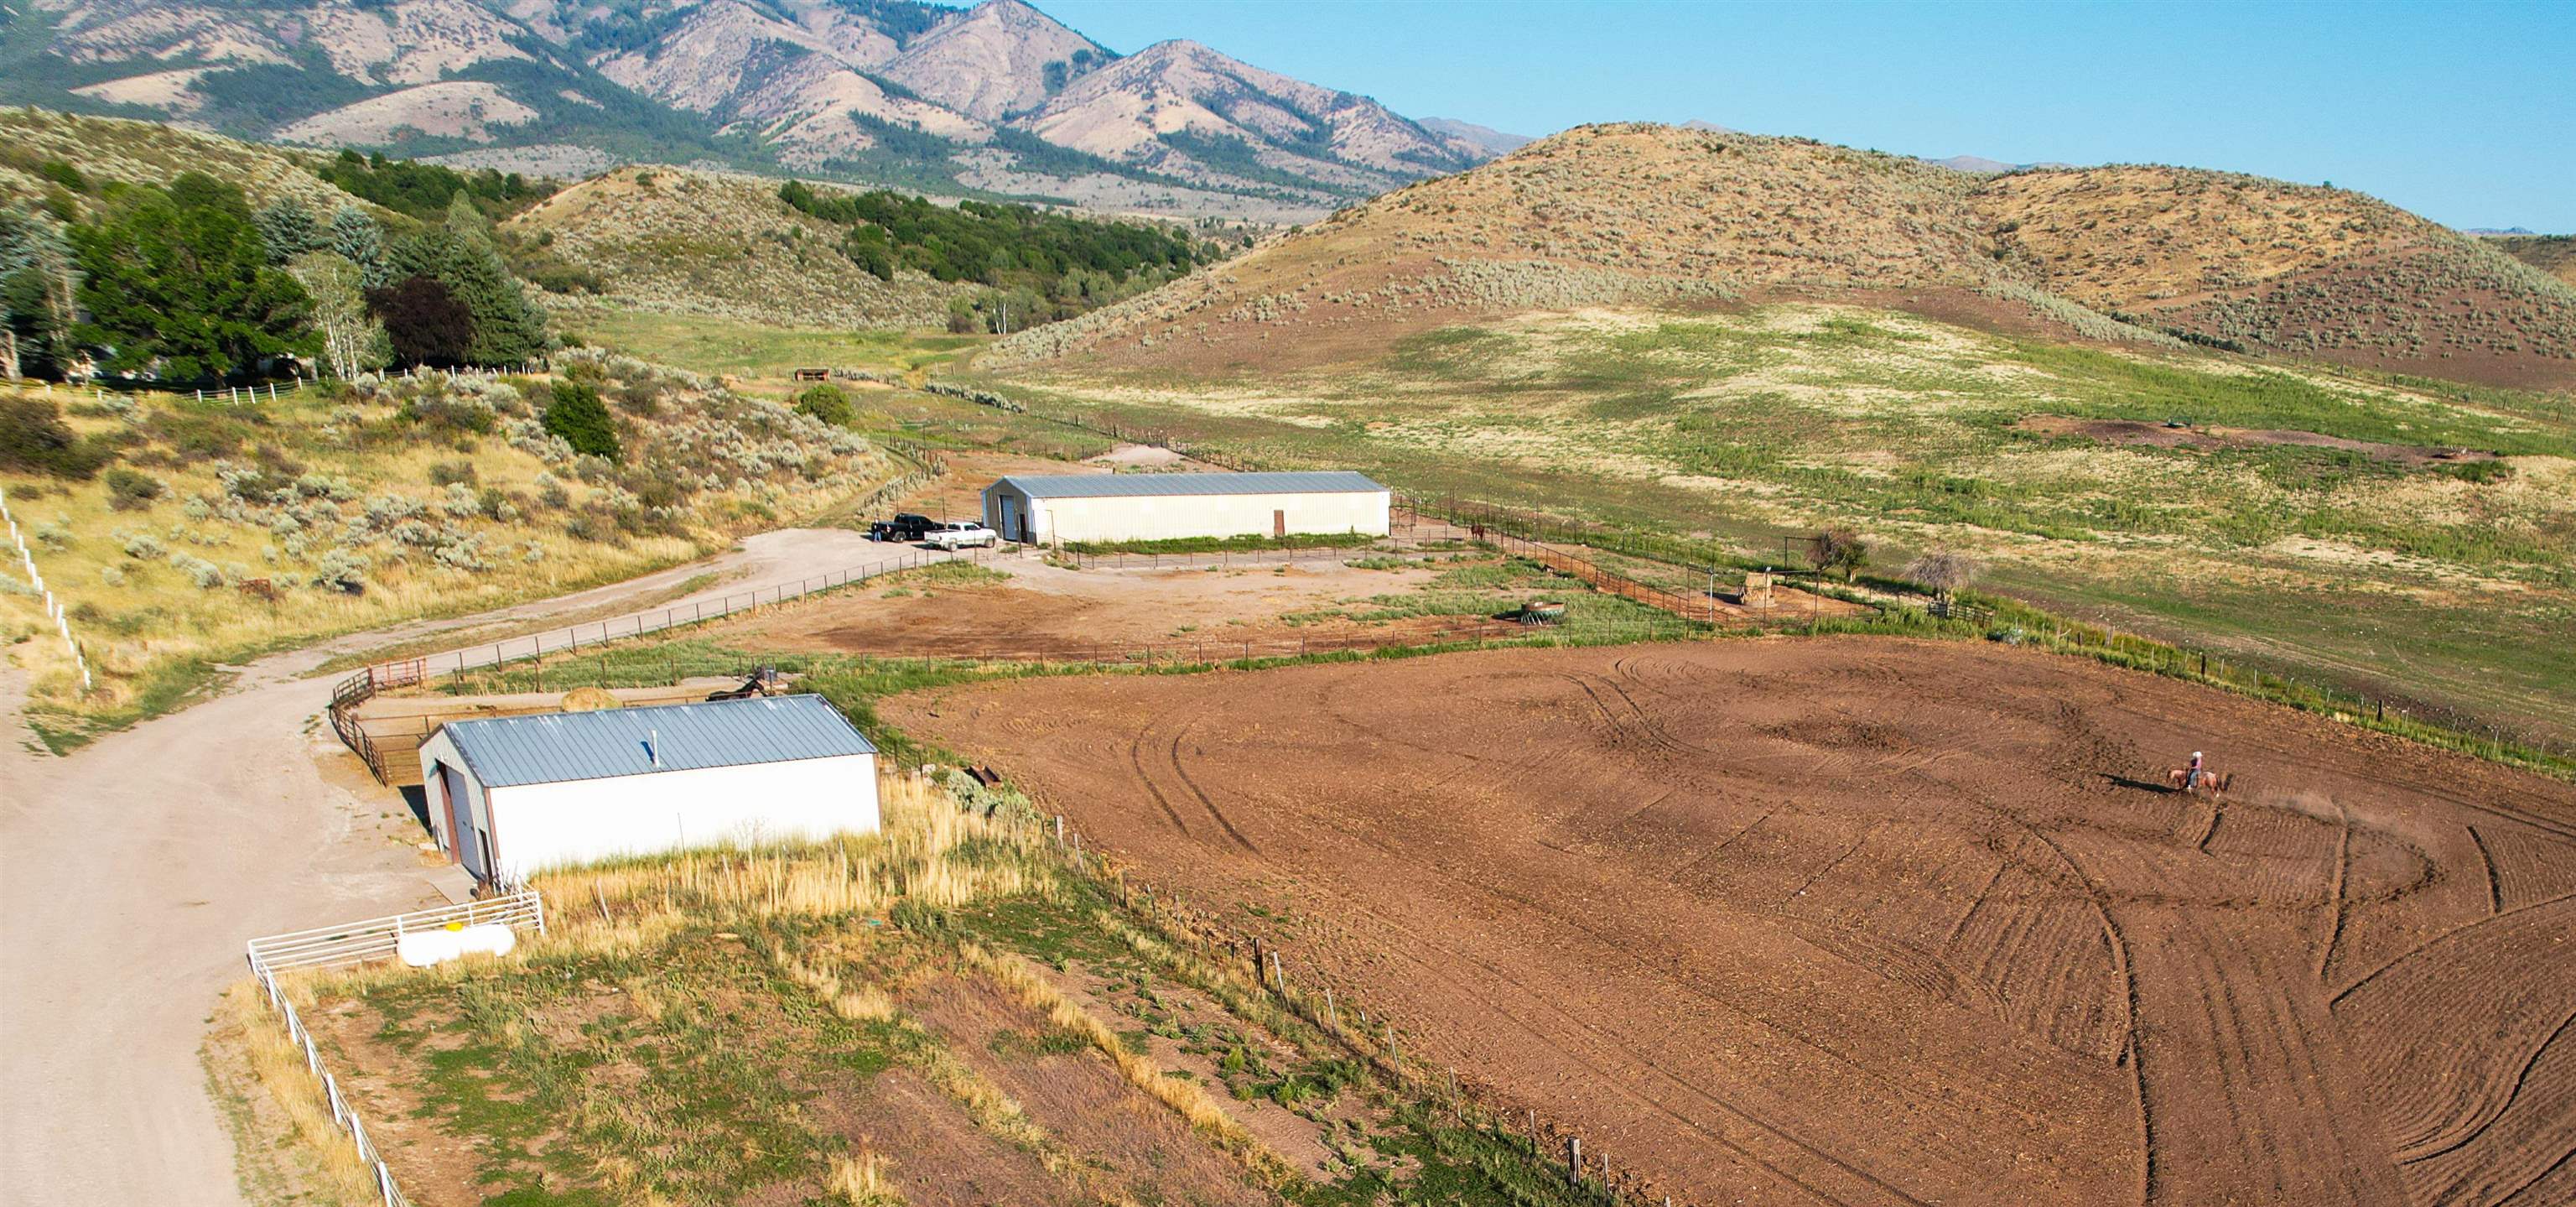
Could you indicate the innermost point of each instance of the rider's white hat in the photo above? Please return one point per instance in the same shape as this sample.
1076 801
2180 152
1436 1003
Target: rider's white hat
2195 754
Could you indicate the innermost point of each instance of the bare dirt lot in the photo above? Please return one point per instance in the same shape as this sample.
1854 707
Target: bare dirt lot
1049 610
1861 921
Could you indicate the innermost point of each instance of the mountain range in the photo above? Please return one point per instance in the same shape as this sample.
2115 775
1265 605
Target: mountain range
999 99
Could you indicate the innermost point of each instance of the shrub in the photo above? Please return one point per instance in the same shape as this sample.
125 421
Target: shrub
130 490
828 403
199 571
577 415
143 546
450 473
34 439
451 412
342 570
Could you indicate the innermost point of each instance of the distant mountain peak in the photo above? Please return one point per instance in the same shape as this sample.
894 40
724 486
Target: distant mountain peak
1000 97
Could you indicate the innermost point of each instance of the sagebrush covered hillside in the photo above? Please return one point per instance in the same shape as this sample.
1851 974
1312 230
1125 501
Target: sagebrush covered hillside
1644 214
717 243
180 533
2253 264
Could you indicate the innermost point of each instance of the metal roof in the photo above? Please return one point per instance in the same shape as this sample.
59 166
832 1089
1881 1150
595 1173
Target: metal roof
1102 486
553 748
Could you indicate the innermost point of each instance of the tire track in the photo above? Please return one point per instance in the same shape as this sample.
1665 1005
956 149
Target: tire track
2495 885
2342 869
1136 760
1172 751
2444 937
2521 1077
2121 968
1961 926
1687 1087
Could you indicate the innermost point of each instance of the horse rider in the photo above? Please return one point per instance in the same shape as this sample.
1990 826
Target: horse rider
2191 778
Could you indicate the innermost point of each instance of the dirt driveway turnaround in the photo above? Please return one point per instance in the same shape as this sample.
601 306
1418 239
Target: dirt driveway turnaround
132 870
1869 922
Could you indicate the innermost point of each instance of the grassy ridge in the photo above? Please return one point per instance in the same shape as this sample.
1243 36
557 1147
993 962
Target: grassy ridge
2441 585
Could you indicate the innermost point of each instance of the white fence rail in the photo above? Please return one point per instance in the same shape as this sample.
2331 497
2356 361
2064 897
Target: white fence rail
358 942
376 938
54 610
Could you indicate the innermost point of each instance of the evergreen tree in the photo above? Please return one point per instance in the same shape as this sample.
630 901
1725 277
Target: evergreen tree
178 282
467 222
507 329
358 239
287 229
582 420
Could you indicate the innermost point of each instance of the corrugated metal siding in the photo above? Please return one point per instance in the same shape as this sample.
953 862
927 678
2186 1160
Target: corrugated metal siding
1102 486
556 747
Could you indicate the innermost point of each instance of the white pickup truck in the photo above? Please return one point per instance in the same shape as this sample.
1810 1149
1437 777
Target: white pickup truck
961 534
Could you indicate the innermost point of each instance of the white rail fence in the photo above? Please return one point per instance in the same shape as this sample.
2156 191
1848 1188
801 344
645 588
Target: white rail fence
54 610
656 620
357 943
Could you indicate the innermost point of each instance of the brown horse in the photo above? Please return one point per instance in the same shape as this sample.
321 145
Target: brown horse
2212 782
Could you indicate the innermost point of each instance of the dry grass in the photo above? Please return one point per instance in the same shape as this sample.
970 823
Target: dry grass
332 1169
1185 1098
286 521
865 1178
920 855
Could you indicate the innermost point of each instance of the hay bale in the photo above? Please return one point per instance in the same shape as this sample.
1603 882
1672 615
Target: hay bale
591 699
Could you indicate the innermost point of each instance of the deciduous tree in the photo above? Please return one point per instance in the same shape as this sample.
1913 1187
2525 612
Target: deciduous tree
1838 548
424 323
353 341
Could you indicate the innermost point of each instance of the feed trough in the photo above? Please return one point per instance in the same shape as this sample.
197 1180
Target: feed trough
1543 611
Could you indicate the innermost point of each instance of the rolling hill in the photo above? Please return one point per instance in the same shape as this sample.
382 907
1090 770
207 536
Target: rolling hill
997 99
1642 214
2552 254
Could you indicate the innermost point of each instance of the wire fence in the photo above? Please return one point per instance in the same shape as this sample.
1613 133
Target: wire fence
359 942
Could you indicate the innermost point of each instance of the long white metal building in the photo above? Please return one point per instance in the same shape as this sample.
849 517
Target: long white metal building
509 796
1049 508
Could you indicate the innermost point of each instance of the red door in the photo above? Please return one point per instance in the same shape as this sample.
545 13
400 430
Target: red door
1278 523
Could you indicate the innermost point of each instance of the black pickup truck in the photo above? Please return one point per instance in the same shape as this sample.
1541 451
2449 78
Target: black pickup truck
904 527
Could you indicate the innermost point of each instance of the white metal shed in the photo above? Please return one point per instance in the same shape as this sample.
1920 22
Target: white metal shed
1046 508
509 796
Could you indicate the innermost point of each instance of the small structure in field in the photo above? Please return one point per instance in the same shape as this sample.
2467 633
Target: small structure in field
1046 508
509 796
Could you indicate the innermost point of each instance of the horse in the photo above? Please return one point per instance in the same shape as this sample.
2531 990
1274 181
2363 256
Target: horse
2212 782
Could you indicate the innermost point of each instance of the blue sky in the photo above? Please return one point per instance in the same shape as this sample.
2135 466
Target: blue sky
2465 113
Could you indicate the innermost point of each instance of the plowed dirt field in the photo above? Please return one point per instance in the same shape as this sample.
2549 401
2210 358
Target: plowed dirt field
1870 922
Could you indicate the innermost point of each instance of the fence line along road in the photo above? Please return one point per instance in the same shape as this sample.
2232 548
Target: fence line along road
355 943
655 620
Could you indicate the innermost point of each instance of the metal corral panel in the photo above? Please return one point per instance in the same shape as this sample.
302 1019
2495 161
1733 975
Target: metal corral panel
555 748
1102 486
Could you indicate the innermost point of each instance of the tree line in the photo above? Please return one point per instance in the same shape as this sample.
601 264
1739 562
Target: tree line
998 243
191 283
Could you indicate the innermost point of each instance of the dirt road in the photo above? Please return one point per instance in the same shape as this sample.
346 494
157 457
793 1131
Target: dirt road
1873 922
132 870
